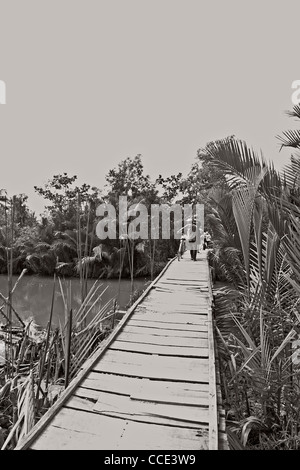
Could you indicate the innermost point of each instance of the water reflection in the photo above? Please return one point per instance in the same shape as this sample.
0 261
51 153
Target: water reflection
32 297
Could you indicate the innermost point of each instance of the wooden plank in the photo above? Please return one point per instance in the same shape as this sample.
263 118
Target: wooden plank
139 436
222 441
143 359
142 405
159 306
159 349
171 317
150 411
186 276
112 383
169 310
163 292
174 295
176 286
122 407
170 298
178 308
222 424
137 330
185 392
168 326
213 411
194 289
95 431
164 340
55 438
140 370
191 276
160 367
161 393
83 392
202 282
134 436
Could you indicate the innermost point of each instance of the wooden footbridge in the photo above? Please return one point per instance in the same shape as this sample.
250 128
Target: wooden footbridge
153 384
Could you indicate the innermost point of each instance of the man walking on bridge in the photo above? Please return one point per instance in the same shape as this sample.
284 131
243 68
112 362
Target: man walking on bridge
191 240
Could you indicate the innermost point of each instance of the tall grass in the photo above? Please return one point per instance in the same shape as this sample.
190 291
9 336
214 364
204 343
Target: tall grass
37 369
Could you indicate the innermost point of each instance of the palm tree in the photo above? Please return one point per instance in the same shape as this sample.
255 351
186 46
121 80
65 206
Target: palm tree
265 313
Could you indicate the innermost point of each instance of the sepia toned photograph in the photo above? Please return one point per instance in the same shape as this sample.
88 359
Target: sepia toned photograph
149 228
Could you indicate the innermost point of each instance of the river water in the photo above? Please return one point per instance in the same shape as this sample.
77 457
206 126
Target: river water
33 294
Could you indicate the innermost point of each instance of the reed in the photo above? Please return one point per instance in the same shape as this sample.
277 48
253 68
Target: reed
36 370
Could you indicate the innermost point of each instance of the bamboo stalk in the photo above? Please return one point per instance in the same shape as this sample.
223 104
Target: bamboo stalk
86 266
47 342
79 248
68 350
8 303
18 280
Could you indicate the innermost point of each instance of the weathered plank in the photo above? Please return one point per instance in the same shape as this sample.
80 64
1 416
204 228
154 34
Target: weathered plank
165 350
57 438
164 340
163 332
78 430
170 298
124 357
172 394
151 411
122 407
133 436
213 411
144 436
101 429
168 309
160 367
168 326
185 392
171 317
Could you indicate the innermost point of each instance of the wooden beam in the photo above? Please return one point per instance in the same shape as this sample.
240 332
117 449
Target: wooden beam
213 409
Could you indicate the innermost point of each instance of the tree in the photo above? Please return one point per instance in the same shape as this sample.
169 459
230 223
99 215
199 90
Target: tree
128 179
66 200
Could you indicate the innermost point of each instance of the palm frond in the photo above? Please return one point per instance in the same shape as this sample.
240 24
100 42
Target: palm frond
290 138
295 113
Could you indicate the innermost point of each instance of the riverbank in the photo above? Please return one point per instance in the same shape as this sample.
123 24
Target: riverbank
32 297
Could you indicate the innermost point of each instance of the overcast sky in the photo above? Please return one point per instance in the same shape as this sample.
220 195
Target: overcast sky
91 82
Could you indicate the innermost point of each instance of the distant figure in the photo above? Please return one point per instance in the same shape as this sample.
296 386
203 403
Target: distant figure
181 248
191 240
200 246
207 240
204 242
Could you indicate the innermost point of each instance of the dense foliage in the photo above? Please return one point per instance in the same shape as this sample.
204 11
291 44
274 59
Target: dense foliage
64 240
